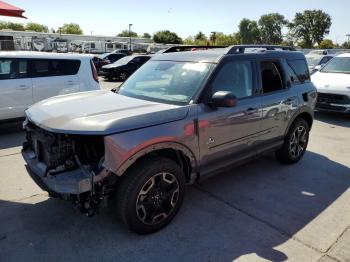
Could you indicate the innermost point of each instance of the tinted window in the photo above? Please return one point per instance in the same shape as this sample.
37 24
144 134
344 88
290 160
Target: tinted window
13 68
325 59
23 69
55 67
271 77
300 69
7 69
292 77
235 77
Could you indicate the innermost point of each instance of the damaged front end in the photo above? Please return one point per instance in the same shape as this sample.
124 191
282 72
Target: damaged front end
68 166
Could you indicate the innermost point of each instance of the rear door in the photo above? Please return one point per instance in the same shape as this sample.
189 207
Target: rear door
15 88
279 101
52 77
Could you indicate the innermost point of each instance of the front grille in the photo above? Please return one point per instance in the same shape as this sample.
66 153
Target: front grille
332 99
331 108
50 148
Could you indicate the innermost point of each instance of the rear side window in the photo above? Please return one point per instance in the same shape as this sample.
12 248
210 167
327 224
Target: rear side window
55 67
271 77
7 69
300 69
13 68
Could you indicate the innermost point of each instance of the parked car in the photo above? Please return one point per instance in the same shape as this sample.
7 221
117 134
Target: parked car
124 67
99 62
315 62
123 51
180 118
333 85
112 57
29 77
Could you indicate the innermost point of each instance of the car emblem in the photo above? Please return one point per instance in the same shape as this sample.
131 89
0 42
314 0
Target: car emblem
210 141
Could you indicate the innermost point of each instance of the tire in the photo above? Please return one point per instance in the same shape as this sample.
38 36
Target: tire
150 195
122 76
295 142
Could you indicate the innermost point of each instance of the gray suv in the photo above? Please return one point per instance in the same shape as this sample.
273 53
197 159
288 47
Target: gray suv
181 117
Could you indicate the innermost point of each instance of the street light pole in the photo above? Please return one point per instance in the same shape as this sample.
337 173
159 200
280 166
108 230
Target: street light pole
130 37
348 35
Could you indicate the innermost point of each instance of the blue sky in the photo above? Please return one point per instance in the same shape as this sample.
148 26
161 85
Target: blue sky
185 17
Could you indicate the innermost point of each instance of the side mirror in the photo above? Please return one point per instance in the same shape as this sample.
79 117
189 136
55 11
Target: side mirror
223 99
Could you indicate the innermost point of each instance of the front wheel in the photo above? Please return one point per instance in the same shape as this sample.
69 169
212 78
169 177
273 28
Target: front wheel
123 76
150 195
295 143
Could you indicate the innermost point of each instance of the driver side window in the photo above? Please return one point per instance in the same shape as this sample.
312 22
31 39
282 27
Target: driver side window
235 77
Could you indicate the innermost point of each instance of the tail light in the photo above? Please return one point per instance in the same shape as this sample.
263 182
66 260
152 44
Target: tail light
94 71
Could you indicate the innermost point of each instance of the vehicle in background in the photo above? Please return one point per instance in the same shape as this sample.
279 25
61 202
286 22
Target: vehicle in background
333 85
318 61
28 77
124 67
112 57
106 59
99 62
180 118
123 51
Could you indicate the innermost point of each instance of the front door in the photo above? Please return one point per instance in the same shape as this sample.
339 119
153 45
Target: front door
15 88
228 135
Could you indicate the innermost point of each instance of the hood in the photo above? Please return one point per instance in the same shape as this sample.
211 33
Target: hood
101 113
332 82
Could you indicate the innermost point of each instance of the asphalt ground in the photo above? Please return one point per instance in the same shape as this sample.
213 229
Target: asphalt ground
261 211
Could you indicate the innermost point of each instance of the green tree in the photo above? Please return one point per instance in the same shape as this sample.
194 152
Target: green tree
125 33
249 32
11 26
326 44
70 28
167 37
200 36
146 35
270 27
226 40
36 27
346 45
310 27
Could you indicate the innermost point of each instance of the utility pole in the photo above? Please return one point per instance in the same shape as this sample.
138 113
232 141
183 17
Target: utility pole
130 37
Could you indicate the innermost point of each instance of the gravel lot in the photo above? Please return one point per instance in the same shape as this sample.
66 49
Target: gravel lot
257 212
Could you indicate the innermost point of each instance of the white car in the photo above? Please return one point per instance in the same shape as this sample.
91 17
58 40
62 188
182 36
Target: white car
333 85
28 77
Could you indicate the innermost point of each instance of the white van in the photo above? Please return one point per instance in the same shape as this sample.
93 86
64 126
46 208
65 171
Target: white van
28 77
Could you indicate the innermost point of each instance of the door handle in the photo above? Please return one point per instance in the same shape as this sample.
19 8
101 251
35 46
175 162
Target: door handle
288 101
22 87
251 111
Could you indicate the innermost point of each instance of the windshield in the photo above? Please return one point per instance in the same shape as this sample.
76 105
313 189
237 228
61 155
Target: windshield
313 60
337 65
103 56
124 60
166 81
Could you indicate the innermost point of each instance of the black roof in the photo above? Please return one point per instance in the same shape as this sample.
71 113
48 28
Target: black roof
215 54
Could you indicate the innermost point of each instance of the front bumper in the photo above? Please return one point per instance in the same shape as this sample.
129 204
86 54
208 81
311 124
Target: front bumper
330 107
73 182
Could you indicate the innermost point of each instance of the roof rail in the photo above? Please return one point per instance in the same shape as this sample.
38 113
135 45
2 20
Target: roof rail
181 48
238 49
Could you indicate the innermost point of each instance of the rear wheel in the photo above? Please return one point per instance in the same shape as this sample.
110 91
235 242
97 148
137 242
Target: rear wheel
295 143
150 195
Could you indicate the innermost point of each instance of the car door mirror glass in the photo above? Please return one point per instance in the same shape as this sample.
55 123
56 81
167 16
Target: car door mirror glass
223 99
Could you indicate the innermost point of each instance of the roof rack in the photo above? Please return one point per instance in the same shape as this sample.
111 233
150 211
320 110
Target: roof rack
182 48
239 49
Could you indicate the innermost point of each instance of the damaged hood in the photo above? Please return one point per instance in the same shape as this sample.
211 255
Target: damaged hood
100 112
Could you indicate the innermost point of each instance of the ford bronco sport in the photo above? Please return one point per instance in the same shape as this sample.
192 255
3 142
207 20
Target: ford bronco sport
181 117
